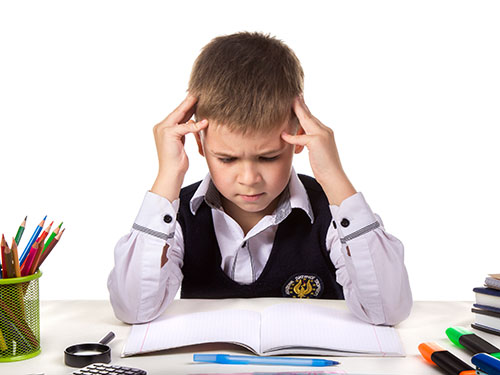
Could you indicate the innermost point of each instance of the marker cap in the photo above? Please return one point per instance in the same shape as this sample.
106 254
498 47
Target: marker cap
487 363
454 334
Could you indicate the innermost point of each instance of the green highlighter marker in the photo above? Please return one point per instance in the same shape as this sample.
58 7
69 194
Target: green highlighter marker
465 339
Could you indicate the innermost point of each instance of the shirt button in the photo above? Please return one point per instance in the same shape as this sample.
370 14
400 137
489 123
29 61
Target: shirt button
167 218
345 223
334 224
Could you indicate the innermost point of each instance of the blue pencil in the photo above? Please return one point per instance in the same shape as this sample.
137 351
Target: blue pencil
32 241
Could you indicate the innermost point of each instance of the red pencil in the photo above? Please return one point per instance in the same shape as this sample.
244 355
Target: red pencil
49 248
45 233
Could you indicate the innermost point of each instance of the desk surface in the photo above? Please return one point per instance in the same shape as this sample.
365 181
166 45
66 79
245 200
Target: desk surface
64 323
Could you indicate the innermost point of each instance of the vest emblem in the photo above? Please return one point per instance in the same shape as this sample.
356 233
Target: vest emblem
303 286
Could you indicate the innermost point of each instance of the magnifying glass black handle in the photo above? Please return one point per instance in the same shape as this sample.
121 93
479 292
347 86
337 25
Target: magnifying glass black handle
110 336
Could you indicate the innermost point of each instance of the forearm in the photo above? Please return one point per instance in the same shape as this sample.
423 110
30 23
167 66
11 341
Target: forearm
137 292
168 184
140 286
370 264
376 286
337 186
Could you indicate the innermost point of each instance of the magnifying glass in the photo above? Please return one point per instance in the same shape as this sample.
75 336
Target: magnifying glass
81 355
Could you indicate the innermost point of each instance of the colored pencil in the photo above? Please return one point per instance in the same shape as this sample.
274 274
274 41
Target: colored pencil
36 259
52 235
20 231
3 345
50 247
25 267
4 261
9 262
19 323
17 269
45 233
32 240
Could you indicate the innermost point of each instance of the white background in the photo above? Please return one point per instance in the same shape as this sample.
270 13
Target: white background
411 89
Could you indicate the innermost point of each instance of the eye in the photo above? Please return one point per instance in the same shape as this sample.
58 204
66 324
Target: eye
226 160
268 159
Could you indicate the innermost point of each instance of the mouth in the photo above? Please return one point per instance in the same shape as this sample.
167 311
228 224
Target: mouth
251 198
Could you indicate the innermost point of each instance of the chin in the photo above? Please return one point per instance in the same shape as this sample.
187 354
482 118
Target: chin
254 208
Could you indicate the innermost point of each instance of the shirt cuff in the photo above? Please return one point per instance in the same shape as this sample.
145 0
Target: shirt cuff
157 216
353 217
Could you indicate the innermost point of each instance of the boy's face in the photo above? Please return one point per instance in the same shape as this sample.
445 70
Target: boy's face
250 171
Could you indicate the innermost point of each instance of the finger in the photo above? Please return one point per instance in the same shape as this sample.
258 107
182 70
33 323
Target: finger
183 112
306 119
298 140
190 127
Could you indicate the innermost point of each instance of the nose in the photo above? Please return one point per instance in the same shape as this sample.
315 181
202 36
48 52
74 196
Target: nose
249 174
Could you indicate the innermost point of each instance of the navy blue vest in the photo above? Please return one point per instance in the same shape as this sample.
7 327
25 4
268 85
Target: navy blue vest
298 266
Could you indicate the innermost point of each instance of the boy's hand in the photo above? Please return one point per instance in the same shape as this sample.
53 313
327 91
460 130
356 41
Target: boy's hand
172 158
323 155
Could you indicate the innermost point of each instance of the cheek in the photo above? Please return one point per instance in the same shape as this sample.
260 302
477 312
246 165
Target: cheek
280 172
219 172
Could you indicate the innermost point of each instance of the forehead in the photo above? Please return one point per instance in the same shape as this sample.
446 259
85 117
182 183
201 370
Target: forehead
220 138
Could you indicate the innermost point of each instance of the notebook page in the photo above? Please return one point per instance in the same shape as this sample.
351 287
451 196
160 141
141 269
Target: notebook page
306 326
166 332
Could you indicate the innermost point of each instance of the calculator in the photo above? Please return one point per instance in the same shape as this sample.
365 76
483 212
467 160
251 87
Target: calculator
105 369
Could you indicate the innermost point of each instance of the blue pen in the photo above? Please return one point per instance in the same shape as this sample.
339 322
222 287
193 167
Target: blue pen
487 363
32 240
227 359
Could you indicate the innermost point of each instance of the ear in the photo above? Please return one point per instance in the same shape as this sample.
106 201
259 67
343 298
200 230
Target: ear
298 148
197 135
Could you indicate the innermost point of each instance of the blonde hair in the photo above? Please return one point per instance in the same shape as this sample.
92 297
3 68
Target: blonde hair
246 81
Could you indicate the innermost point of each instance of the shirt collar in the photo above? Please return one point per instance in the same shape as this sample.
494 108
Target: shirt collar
294 196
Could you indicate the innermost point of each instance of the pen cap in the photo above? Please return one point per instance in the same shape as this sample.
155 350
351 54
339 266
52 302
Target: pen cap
487 363
454 334
470 341
434 353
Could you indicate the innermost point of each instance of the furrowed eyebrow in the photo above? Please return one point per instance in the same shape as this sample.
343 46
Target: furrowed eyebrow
223 154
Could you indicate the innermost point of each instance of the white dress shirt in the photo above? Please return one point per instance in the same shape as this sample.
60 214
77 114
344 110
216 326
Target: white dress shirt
369 261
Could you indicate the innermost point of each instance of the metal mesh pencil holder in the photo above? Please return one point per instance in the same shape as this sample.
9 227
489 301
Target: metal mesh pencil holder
19 318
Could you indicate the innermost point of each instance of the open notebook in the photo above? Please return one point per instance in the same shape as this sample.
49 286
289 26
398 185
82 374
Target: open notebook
285 328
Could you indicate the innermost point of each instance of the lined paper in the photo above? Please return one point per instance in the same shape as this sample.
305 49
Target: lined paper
305 326
285 328
166 332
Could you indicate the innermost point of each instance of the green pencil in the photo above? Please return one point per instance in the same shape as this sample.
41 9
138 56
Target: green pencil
20 231
52 235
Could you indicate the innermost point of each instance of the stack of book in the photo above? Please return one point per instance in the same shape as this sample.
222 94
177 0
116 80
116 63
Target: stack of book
487 306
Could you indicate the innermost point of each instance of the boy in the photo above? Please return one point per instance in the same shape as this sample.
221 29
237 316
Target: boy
253 227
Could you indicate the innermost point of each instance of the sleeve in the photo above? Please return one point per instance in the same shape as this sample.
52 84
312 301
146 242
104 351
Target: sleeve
369 263
147 262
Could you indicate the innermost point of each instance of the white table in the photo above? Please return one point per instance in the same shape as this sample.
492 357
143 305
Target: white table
64 323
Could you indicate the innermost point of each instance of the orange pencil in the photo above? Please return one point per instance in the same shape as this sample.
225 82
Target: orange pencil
17 269
50 247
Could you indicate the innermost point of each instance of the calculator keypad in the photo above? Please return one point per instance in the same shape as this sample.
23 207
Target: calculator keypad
105 369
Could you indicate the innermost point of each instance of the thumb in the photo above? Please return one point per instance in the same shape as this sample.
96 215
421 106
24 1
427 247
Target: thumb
298 140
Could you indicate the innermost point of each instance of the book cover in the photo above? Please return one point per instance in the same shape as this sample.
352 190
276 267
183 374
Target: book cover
485 329
487 296
486 307
487 318
492 282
